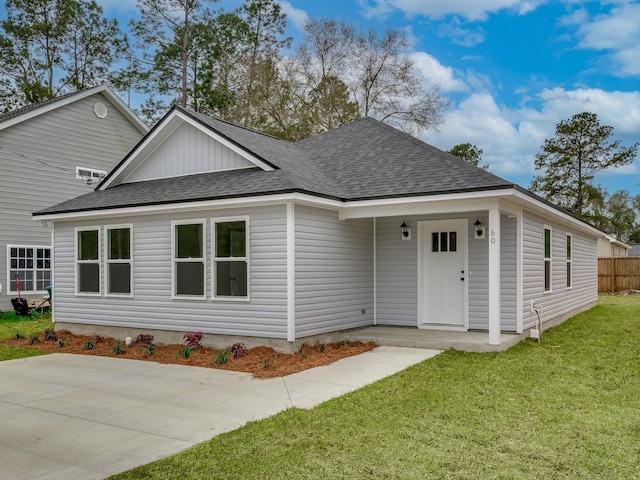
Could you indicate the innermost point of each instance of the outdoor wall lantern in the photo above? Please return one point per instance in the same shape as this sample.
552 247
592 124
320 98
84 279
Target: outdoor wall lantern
406 231
478 228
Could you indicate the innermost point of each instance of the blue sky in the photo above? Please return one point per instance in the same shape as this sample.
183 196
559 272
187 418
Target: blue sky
512 69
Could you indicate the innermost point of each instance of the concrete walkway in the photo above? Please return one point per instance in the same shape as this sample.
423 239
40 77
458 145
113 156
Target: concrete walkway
79 417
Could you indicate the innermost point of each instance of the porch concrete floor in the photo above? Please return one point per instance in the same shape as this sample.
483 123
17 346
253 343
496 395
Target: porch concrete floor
436 339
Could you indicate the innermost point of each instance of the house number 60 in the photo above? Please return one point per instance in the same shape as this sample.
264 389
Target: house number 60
493 236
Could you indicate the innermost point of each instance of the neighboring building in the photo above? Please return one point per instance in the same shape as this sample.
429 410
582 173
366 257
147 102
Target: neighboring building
634 251
50 152
207 226
609 247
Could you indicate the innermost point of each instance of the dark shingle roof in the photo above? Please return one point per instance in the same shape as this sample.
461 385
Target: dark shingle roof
366 159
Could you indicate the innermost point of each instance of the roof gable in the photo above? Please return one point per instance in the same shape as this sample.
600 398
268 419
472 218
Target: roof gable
30 111
181 145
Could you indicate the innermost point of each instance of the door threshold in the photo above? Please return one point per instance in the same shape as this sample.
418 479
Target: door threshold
450 328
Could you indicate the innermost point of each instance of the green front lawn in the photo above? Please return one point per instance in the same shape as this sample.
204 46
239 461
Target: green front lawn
10 324
566 408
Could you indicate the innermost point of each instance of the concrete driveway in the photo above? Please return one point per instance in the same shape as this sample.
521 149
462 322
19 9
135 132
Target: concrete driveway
68 416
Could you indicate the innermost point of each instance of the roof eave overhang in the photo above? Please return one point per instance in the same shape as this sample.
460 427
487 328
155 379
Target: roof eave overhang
510 199
104 90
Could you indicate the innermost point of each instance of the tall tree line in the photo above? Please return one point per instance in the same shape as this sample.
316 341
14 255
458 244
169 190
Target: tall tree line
237 65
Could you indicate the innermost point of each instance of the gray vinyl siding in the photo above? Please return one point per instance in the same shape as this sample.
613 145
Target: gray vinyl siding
333 272
38 160
508 274
396 273
560 300
151 307
197 153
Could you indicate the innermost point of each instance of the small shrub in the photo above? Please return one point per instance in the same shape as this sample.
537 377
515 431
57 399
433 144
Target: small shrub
303 356
33 339
144 339
89 344
238 350
266 364
150 348
98 339
61 342
222 357
19 335
193 339
322 348
118 349
185 351
50 334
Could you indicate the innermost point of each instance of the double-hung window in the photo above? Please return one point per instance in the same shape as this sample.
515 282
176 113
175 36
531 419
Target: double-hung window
32 265
188 247
569 279
547 259
231 258
119 267
88 261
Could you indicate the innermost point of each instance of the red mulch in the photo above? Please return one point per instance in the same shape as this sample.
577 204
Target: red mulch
261 362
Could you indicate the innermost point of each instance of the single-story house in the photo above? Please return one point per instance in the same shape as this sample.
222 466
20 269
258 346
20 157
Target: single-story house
609 246
207 226
50 152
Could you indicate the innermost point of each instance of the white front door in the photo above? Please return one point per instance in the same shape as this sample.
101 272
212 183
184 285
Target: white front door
442 274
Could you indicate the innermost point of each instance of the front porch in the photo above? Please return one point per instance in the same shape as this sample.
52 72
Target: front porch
434 339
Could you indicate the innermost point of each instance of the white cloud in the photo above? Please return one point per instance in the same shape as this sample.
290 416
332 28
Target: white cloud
616 32
434 73
469 9
511 138
466 37
297 16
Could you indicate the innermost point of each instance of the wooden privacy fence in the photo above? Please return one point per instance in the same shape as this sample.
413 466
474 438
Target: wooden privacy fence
618 273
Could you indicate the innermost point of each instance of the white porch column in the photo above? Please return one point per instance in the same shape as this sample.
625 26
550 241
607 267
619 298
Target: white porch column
291 269
494 276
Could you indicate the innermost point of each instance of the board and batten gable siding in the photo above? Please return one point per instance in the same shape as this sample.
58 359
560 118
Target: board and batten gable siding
397 273
196 151
333 272
560 300
151 307
38 160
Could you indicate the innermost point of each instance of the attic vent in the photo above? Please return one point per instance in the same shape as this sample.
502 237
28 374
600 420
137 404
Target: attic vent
100 109
90 175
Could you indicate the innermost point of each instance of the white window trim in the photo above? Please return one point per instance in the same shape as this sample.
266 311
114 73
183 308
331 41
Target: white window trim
569 260
175 260
246 259
107 261
77 262
547 259
35 247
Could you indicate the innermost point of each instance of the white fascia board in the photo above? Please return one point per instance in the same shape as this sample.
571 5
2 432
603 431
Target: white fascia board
106 91
510 201
230 145
427 204
124 109
550 212
256 201
155 139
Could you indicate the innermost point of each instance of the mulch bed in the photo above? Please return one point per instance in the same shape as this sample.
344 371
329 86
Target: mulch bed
261 362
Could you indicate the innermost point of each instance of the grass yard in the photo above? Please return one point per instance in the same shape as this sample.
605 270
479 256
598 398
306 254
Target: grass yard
566 408
10 324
